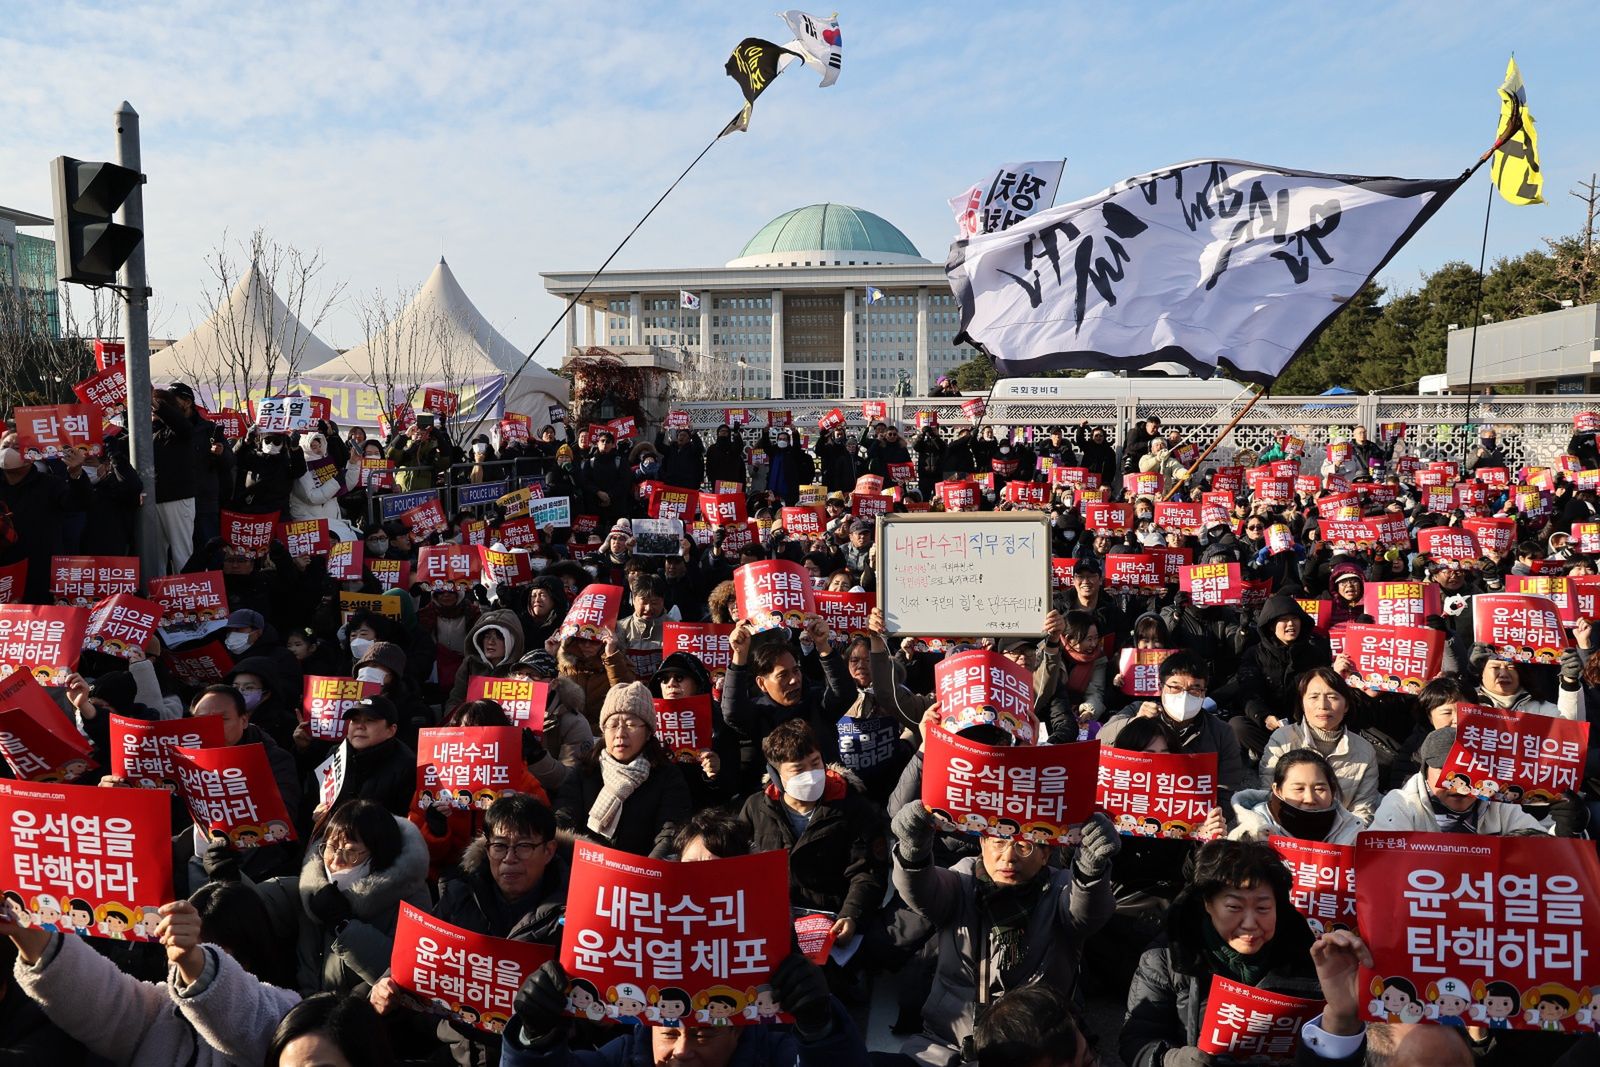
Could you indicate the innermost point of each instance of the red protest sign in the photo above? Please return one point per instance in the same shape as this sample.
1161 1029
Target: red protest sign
1388 530
1522 628
1275 492
869 505
1027 494
142 751
1447 543
1178 517
973 409
36 738
82 580
1212 584
345 560
902 473
474 977
1400 603
706 641
248 535
593 613
52 429
1324 889
474 761
814 934
684 726
670 502
846 613
121 623
984 688
1172 561
106 391
1141 483
958 496
1113 519
13 582
447 567
1138 573
832 420
873 410
440 401
208 663
426 518
1156 794
1029 792
1477 929
325 699
1244 1024
1061 568
1140 669
1522 759
303 538
1585 589
1491 535
1586 422
1557 590
804 522
85 860
505 568
720 509
109 353
231 793
390 573
233 424
773 593
1393 659
643 936
623 427
523 699
42 640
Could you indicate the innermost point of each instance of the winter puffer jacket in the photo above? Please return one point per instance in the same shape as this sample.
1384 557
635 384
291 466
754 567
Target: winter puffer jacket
1409 808
1354 761
1265 682
475 663
840 861
1255 820
650 817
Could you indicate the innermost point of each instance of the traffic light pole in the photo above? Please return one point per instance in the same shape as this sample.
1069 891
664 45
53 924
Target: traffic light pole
141 435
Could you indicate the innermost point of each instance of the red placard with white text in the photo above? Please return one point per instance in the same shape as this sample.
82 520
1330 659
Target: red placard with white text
1448 543
1505 755
473 977
248 535
231 792
804 521
1033 495
447 566
1036 793
1400 603
37 739
593 614
640 930
1554 588
1156 794
440 401
141 751
958 496
121 623
1424 898
1491 534
390 574
1061 568
1521 628
82 580
1324 889
1179 517
1320 611
472 763
52 429
345 560
706 641
1113 519
1394 659
1214 584
523 699
772 593
202 665
1244 1024
1140 669
984 688
13 582
86 860
1138 573
106 391
845 613
303 538
684 726
426 518
722 509
40 639
505 568
325 699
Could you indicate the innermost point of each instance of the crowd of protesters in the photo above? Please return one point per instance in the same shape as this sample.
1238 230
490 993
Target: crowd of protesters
989 945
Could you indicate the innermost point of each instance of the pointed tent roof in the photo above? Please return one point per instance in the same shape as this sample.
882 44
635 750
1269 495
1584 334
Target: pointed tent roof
254 308
484 349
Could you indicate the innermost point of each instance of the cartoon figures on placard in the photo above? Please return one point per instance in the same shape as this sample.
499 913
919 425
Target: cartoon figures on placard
670 1006
627 1003
1396 1001
583 1000
1449 1000
1495 1003
720 1005
764 1006
1550 1005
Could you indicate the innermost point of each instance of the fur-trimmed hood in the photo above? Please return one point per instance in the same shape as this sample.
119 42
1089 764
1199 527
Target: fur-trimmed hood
406 879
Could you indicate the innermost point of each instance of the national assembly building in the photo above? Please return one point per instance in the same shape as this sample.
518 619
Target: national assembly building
789 316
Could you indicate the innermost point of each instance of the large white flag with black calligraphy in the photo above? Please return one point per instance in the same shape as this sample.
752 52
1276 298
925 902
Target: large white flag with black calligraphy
1219 265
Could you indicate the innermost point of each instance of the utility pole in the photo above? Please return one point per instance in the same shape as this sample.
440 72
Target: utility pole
141 443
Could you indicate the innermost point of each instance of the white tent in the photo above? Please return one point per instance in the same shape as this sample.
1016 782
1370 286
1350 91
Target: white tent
237 335
442 315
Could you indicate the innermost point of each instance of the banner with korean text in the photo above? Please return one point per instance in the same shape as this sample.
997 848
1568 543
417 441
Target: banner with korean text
1037 793
1156 794
473 977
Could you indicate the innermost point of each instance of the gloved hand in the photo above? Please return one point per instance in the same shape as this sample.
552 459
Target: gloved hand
533 749
1185 1057
542 1001
1100 842
1571 668
329 905
221 863
913 829
802 990
438 823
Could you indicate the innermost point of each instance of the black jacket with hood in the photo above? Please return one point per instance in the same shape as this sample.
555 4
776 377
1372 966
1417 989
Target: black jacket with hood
1265 681
840 862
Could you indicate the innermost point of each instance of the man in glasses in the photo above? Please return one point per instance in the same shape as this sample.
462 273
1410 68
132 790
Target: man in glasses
1189 719
511 883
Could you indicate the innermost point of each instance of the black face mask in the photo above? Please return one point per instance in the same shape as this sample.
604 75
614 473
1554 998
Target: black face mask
1300 822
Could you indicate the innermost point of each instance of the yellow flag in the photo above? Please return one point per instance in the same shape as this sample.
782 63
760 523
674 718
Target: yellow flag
1516 161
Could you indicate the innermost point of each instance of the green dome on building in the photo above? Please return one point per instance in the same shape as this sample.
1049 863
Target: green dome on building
829 235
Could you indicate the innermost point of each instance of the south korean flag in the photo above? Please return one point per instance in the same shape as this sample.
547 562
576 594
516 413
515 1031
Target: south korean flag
688 301
818 41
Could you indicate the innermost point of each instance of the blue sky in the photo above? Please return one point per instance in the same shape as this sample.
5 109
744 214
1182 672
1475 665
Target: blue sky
519 138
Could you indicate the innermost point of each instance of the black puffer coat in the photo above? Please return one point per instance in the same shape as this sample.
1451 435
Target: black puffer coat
1265 682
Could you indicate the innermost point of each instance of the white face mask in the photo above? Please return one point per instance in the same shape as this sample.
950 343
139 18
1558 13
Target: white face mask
237 641
359 646
807 786
1181 706
371 674
781 443
346 879
272 450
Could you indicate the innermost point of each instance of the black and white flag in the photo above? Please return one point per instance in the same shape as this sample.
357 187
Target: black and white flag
1219 265
1015 191
819 41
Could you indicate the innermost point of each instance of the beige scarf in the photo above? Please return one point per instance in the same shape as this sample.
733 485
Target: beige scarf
618 780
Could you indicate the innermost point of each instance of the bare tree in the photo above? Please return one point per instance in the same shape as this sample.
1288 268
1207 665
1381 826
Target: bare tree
45 350
704 376
398 347
259 342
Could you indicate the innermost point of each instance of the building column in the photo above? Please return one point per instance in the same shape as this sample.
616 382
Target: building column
850 344
635 319
572 330
705 327
777 344
921 387
589 327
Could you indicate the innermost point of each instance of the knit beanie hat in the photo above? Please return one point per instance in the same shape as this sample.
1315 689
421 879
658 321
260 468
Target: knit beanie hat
116 688
632 699
1435 747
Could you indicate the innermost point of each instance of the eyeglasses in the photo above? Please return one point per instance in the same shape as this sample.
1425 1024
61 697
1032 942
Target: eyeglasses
1198 689
345 855
619 723
1020 847
1257 527
523 849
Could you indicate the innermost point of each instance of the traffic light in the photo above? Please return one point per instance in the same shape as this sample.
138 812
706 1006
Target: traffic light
90 246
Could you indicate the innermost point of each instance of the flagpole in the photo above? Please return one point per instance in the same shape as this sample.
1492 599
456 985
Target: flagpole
1189 474
868 295
1477 317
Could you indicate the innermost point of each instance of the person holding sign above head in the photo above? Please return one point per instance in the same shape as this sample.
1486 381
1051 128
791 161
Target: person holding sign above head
1425 802
1188 719
1003 919
1325 703
1303 802
1233 920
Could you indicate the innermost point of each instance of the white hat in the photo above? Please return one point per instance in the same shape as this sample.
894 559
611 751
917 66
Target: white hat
1454 987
